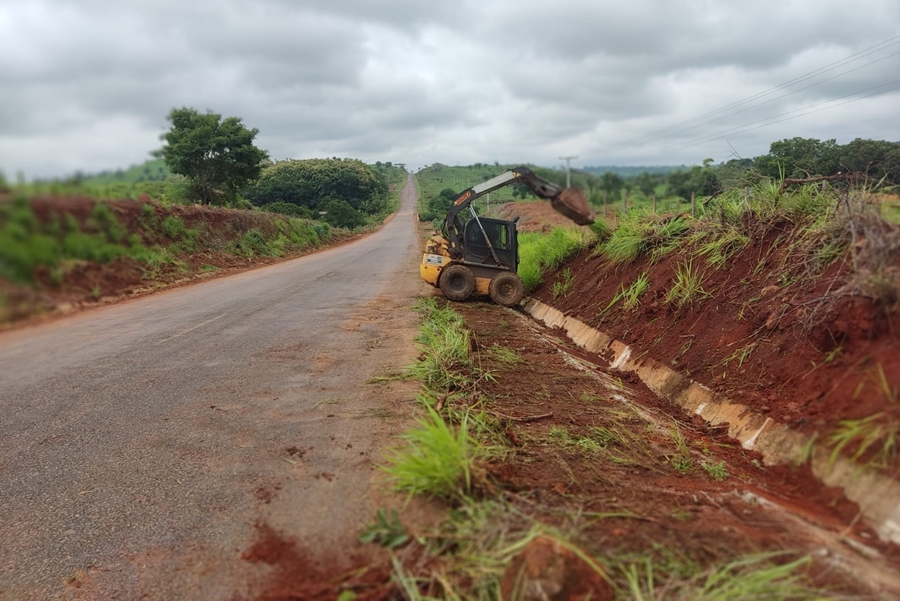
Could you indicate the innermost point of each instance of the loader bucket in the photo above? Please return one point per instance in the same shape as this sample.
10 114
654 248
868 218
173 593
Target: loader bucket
572 203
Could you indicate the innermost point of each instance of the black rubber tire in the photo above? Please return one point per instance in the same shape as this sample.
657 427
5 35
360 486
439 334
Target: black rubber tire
507 289
457 282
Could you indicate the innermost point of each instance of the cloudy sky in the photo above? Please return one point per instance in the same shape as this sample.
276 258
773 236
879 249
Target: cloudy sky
87 84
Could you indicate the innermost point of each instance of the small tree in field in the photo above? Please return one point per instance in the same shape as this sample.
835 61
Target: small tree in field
217 154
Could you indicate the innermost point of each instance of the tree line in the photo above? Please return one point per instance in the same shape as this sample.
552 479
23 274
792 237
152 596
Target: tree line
224 167
875 162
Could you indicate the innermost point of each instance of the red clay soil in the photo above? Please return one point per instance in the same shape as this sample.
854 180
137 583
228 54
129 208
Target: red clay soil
628 504
805 351
536 216
640 502
299 575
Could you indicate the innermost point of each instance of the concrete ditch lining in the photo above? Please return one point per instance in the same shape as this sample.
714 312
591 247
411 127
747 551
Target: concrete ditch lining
877 495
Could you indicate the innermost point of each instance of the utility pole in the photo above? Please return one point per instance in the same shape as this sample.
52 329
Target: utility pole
567 159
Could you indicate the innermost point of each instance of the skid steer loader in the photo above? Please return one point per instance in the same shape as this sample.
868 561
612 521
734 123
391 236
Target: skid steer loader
481 256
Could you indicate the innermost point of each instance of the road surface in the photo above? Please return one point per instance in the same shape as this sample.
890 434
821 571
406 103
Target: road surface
142 444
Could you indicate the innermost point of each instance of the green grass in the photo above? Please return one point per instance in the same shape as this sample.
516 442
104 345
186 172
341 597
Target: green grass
445 363
174 189
27 244
640 232
601 229
154 168
627 242
630 297
504 354
759 576
722 245
614 443
104 221
563 284
687 288
715 469
876 436
387 532
546 252
436 461
682 460
878 433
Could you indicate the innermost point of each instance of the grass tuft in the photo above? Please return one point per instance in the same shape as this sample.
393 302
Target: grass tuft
563 285
757 576
688 286
436 461
723 245
445 363
547 252
630 296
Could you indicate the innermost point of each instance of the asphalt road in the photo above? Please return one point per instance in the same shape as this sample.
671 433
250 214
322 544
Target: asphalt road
141 443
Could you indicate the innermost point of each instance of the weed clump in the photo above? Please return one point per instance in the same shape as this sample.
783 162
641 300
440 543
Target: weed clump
436 460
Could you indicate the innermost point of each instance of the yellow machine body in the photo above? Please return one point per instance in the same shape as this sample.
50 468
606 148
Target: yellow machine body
436 258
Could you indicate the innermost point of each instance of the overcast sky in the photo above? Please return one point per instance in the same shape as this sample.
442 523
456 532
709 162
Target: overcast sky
87 84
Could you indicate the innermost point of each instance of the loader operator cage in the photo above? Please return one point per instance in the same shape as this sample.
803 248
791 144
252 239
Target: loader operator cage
502 237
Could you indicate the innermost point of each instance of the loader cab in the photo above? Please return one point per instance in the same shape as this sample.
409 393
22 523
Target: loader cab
502 235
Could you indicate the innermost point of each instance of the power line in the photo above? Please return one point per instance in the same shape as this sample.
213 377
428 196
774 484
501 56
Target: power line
744 110
824 69
797 90
746 128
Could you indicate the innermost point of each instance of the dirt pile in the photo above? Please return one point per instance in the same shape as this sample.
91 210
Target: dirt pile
538 216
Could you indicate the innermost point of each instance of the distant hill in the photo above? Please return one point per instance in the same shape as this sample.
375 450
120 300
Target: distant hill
627 171
148 171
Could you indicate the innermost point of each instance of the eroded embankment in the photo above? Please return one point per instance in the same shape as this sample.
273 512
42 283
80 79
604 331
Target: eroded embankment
877 494
774 318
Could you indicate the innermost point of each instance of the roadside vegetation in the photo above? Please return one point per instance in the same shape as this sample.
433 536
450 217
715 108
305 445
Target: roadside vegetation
81 249
613 190
469 436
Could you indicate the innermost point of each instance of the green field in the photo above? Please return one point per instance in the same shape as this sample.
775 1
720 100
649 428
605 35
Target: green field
152 170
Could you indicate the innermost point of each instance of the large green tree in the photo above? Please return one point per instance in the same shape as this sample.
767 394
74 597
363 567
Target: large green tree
798 157
805 157
698 180
310 182
218 155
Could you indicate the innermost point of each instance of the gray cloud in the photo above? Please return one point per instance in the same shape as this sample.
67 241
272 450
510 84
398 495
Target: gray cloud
87 84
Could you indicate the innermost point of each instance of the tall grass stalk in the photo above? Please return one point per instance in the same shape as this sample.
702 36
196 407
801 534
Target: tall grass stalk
757 576
630 296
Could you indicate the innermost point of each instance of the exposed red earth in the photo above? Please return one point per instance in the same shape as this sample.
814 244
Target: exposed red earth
806 351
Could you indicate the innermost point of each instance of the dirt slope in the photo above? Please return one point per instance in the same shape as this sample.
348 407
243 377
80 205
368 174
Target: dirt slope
806 351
